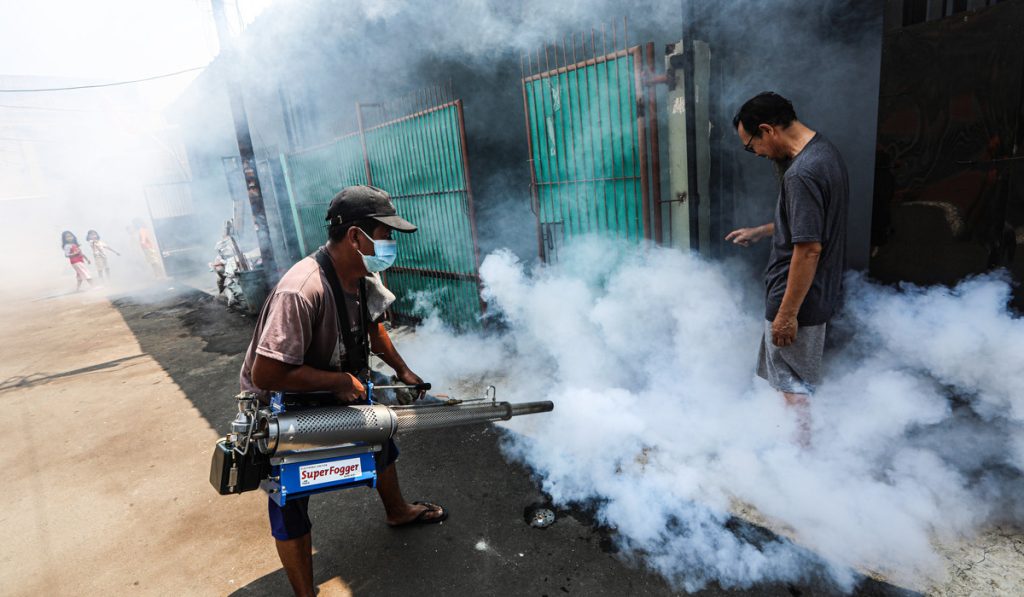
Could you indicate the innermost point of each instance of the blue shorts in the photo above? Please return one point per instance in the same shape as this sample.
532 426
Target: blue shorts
292 520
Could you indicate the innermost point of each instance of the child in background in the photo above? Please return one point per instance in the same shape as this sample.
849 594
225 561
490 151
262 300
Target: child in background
99 253
148 247
74 254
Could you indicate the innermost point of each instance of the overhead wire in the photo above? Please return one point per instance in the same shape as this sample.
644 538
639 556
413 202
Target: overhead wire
97 85
91 110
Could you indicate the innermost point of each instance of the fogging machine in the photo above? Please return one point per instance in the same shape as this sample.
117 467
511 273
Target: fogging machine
291 450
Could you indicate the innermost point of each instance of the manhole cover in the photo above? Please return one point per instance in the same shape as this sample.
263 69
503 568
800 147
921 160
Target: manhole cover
542 518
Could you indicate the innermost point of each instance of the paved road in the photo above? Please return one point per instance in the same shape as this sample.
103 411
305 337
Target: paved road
113 407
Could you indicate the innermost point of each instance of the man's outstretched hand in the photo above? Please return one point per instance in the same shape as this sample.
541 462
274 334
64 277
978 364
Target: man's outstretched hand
747 236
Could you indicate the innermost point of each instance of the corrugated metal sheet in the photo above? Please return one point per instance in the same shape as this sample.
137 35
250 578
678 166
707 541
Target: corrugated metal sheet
586 135
312 177
420 160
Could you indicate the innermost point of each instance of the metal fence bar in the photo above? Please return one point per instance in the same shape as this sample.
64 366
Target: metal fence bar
569 150
362 141
599 167
534 201
542 152
464 164
580 163
622 209
554 150
534 122
292 203
441 203
630 107
553 198
652 124
538 162
613 151
464 151
453 200
586 137
641 143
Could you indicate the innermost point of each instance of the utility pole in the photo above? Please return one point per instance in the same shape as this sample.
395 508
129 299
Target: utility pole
229 56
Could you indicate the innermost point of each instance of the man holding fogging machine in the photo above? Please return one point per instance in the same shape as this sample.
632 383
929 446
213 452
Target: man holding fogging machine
804 277
299 346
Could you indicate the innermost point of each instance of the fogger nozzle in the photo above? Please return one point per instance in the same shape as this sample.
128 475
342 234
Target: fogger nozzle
320 428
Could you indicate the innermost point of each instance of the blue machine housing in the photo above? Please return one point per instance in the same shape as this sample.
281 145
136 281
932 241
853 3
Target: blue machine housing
303 474
293 478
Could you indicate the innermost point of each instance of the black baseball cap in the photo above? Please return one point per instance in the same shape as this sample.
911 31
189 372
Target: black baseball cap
363 202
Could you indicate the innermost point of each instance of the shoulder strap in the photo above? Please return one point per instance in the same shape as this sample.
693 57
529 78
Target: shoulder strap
364 326
364 312
356 349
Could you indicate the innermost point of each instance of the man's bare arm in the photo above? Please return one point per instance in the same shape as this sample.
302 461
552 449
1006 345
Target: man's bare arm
273 375
802 267
380 344
748 236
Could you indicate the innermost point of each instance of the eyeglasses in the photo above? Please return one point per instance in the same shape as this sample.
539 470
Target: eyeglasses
748 147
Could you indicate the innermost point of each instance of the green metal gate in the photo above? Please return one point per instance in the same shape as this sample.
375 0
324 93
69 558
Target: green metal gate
312 177
420 159
588 129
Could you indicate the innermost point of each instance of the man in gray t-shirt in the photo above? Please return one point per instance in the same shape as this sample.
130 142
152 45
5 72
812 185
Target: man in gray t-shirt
804 277
300 345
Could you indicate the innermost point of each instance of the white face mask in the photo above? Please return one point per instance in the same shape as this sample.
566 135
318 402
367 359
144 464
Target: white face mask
384 254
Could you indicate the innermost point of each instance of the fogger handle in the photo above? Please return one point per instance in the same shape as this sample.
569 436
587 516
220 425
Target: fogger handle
420 387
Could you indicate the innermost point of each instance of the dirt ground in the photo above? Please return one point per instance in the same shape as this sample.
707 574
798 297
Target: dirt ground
109 461
113 406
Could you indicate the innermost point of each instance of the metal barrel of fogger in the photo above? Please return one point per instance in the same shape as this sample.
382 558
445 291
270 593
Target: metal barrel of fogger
320 428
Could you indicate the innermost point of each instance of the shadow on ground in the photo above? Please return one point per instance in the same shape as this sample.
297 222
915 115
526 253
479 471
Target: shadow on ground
485 548
24 381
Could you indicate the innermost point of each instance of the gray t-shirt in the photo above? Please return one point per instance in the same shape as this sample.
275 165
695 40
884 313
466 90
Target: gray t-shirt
298 324
812 207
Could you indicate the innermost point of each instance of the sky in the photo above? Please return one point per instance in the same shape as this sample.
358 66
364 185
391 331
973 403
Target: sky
114 40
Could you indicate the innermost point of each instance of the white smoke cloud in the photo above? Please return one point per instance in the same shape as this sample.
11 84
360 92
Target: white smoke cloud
661 425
